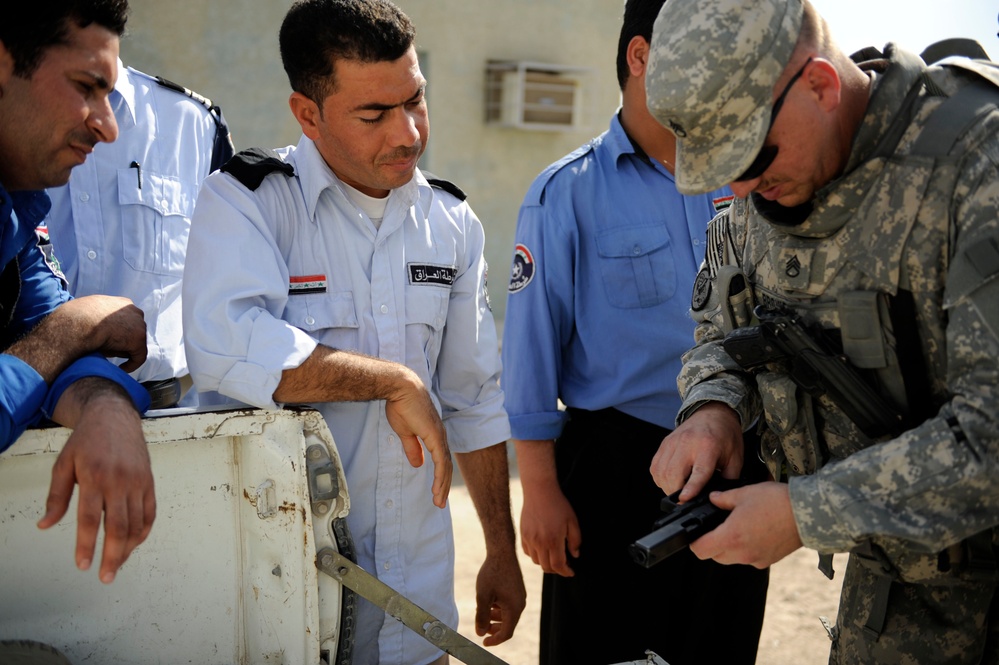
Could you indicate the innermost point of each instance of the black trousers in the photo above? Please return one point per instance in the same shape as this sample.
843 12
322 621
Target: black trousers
686 610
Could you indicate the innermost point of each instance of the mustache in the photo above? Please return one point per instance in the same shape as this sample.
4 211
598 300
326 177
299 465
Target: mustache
84 138
401 154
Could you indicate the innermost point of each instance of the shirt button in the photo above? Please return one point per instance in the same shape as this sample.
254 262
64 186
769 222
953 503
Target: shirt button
84 197
637 250
697 241
310 320
91 255
387 565
384 309
389 503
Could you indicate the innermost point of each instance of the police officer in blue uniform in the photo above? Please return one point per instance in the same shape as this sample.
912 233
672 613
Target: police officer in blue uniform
57 66
605 258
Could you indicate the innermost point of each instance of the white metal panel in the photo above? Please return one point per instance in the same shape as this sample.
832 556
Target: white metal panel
228 573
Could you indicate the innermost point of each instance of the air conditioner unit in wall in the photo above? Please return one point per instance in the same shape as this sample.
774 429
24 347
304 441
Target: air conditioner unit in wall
532 95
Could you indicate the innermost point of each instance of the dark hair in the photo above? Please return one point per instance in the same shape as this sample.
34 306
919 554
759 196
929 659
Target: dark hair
639 17
317 33
31 27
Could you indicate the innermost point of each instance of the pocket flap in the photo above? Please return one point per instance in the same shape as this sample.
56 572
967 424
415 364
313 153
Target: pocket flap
632 241
164 194
318 311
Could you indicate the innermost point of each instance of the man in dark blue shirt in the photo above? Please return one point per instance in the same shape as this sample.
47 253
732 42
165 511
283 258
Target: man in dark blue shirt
57 67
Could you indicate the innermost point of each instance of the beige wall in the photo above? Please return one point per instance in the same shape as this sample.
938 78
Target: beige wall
227 50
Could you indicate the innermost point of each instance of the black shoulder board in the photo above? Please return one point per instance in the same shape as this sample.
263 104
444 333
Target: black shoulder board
222 148
446 185
204 101
251 166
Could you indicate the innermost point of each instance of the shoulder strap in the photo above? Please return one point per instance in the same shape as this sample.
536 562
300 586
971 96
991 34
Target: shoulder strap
222 148
176 87
945 48
955 115
446 185
251 166
536 192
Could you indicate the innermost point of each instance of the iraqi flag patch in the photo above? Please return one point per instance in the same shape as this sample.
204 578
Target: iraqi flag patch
299 286
522 270
722 203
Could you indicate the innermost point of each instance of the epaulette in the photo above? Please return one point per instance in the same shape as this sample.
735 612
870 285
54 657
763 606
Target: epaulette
251 166
446 185
535 194
222 149
176 87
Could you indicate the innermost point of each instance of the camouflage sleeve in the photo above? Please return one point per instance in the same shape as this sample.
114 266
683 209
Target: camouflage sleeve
936 484
708 373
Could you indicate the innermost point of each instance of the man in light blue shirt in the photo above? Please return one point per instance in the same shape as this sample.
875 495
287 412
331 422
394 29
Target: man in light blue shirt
603 269
120 226
347 251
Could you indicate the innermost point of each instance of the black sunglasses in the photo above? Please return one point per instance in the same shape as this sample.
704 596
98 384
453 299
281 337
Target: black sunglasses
768 153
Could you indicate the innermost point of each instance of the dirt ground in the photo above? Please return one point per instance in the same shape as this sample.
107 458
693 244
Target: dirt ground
792 633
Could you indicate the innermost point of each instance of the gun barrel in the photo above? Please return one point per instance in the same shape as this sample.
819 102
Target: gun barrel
683 525
658 545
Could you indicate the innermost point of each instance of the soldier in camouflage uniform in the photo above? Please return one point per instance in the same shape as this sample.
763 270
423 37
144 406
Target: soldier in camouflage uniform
869 206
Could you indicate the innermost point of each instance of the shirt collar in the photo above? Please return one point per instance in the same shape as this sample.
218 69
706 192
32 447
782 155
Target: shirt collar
620 143
122 99
899 72
316 177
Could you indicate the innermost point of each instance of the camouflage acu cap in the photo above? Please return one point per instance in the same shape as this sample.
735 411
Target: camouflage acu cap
712 70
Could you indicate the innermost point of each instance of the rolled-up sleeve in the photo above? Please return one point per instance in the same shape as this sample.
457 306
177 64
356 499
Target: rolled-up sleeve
22 391
538 321
235 290
467 380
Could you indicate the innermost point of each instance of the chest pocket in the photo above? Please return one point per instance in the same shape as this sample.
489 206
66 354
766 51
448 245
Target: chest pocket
637 266
328 317
155 220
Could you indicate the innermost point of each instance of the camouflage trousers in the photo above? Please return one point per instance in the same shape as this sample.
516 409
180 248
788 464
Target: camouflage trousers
953 623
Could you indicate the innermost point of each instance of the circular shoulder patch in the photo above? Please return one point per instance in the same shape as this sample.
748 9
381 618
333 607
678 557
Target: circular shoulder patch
522 270
702 290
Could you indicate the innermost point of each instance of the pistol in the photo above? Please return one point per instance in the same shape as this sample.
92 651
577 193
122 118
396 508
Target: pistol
681 523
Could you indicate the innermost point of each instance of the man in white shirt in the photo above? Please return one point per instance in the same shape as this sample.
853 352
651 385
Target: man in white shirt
342 243
120 226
